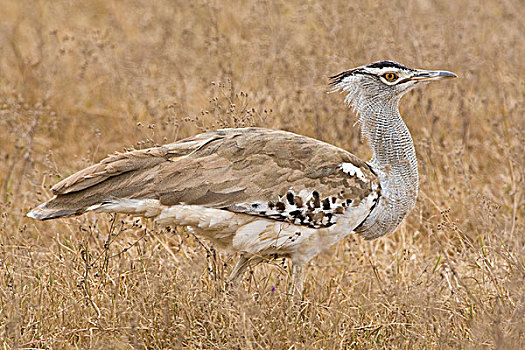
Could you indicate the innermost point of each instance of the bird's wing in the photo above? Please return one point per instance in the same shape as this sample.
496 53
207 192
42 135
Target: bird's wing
270 173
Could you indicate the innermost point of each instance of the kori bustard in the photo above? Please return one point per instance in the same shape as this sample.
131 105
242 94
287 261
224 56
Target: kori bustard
268 193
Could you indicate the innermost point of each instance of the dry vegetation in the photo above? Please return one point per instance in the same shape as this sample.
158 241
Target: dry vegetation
79 80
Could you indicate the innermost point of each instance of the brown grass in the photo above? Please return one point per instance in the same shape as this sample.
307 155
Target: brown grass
79 80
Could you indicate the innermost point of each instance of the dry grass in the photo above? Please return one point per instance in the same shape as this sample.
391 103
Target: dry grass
79 80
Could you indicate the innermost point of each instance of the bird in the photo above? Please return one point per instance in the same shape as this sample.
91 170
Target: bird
264 193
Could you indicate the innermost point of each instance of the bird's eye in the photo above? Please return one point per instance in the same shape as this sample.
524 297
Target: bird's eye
390 76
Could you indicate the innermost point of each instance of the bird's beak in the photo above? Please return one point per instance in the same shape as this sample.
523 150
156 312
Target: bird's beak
425 75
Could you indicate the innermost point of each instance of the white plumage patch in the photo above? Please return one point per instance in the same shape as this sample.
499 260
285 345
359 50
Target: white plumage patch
352 170
142 207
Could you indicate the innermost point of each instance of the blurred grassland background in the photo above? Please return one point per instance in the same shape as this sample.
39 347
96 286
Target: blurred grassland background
81 79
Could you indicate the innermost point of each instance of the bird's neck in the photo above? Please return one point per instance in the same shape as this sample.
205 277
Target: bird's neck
394 161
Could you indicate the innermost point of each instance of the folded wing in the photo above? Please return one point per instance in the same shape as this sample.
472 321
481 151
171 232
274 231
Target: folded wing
262 172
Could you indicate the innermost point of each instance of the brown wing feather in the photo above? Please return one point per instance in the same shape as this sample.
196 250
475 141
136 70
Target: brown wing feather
217 169
112 166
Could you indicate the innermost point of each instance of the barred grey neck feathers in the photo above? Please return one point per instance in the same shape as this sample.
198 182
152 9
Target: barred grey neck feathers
394 158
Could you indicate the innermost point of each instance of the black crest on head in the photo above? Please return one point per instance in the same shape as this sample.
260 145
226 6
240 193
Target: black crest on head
387 64
336 79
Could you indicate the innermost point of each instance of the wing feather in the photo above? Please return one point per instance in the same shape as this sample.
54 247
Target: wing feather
232 169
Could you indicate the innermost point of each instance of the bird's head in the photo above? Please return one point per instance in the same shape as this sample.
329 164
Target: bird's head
384 79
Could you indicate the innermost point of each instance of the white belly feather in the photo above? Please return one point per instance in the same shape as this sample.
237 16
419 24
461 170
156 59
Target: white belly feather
246 233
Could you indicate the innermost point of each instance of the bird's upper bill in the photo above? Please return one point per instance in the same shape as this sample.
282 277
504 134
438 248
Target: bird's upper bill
423 75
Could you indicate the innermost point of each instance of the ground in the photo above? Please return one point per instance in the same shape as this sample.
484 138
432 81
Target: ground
79 80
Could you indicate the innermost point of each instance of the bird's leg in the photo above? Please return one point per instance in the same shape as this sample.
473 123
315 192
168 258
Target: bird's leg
244 261
296 285
238 270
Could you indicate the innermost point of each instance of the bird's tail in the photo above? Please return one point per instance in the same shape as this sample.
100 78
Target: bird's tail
53 209
63 206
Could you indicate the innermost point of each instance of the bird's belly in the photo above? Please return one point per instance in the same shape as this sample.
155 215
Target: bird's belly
239 232
236 231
